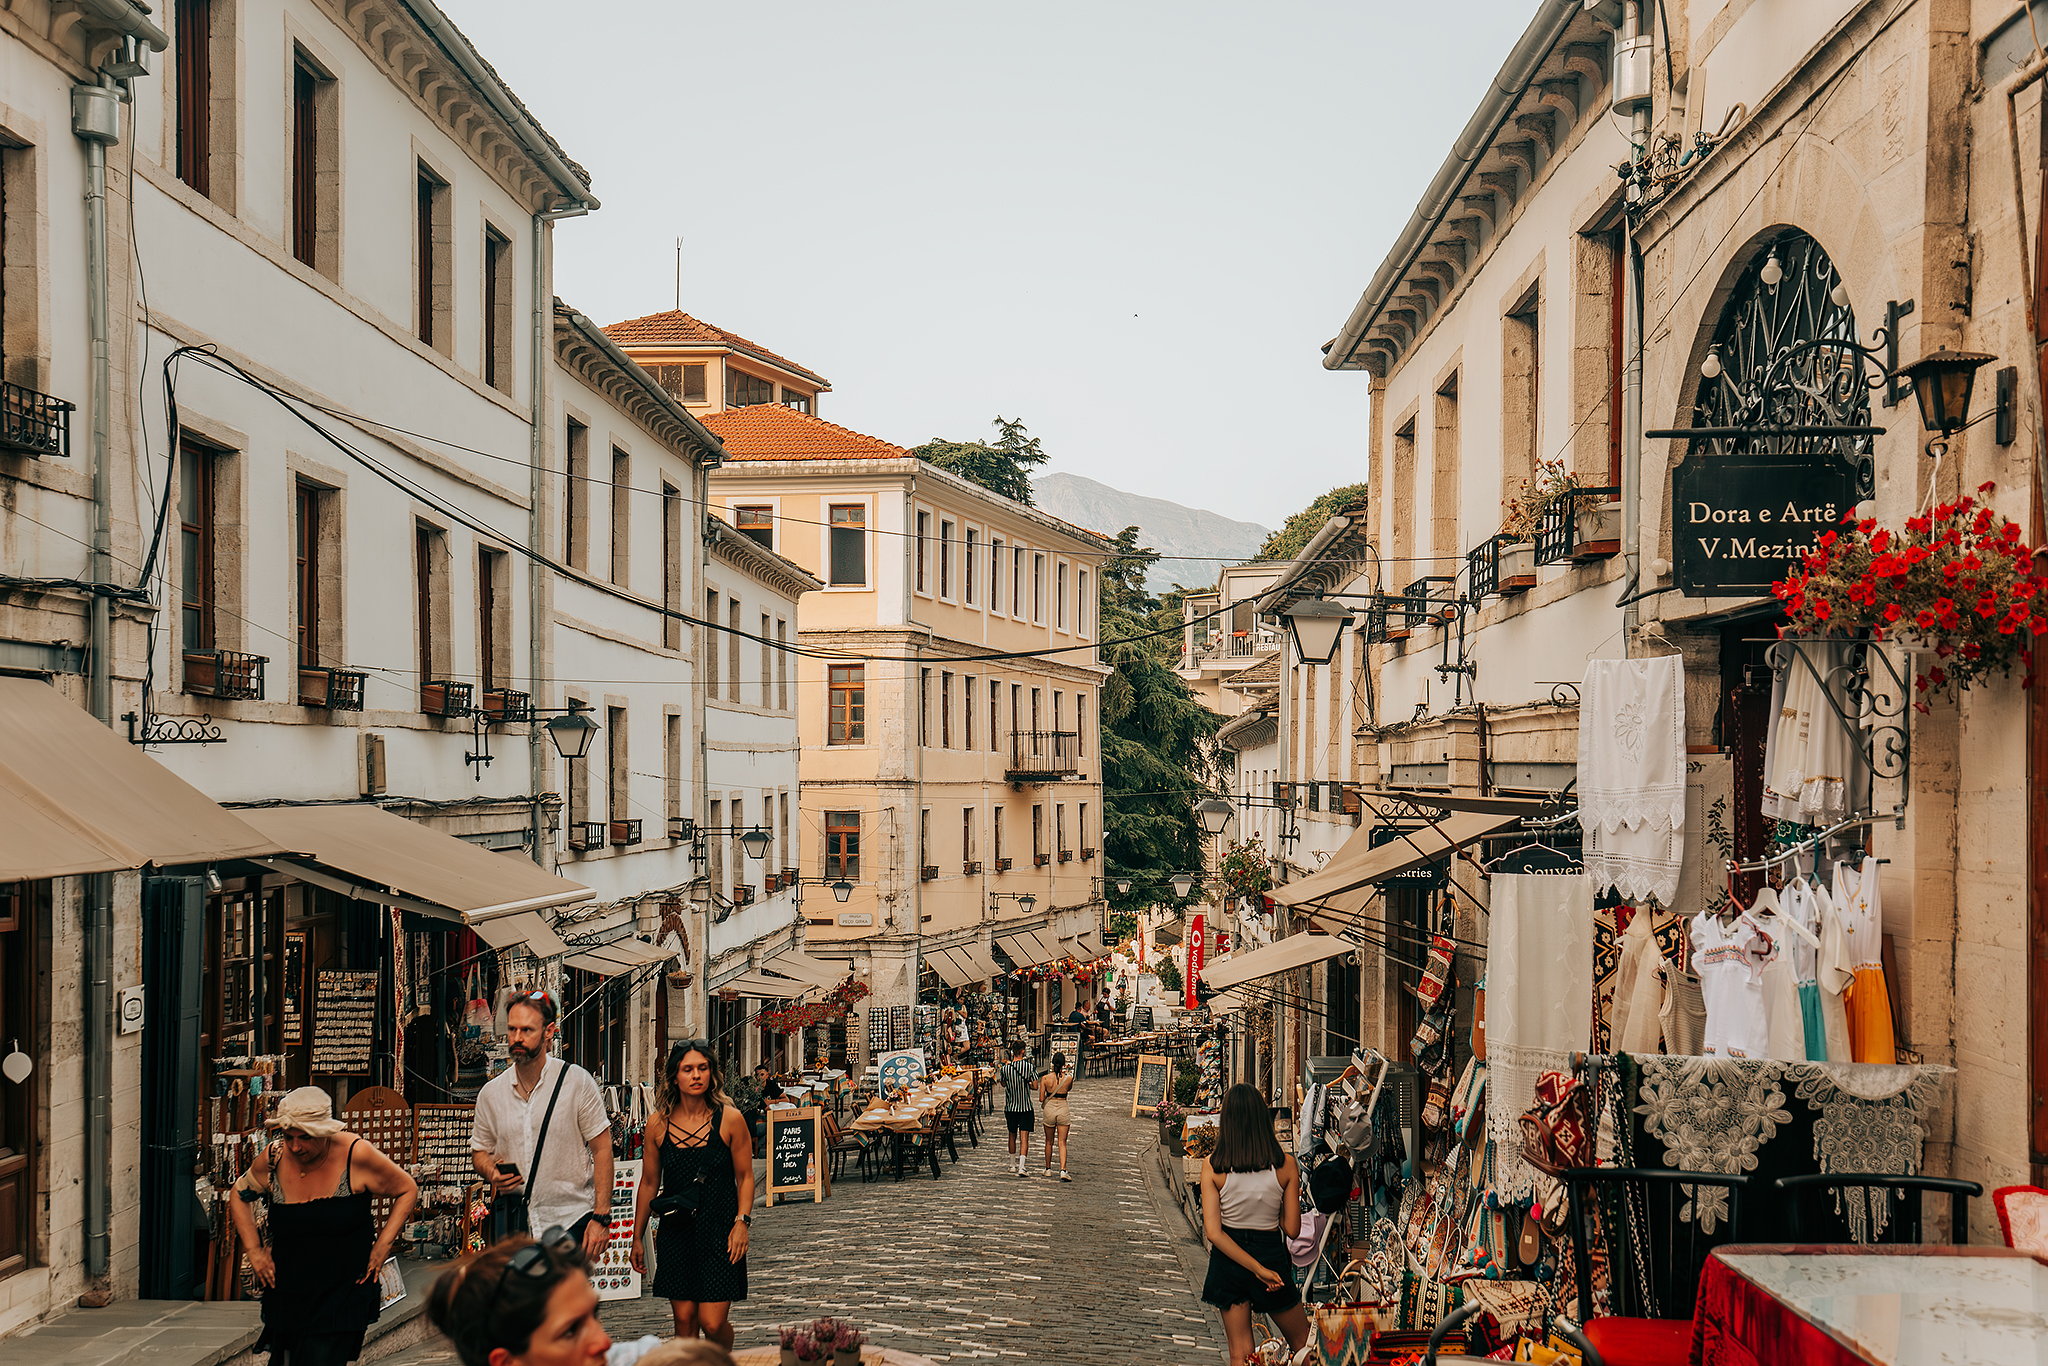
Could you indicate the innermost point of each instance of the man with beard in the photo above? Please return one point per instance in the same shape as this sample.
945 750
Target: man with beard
541 1137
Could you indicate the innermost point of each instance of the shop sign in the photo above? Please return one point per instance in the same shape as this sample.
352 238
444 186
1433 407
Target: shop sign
1194 961
1428 876
1742 522
856 917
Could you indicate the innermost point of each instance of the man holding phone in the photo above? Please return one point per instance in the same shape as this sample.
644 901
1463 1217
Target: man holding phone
541 1137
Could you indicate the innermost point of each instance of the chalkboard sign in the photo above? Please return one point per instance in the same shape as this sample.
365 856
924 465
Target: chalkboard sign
1154 1072
796 1155
1141 1020
1065 1039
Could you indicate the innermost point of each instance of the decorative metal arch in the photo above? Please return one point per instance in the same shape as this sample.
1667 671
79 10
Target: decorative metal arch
1789 357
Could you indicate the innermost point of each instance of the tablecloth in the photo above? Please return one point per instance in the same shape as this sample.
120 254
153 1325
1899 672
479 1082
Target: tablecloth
1737 1323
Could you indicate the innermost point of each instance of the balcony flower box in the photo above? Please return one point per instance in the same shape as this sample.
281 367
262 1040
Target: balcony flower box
1598 531
224 673
1004 865
972 868
1040 860
928 873
625 832
771 884
445 699
334 689
1517 568
32 423
1087 855
743 894
503 706
1066 856
588 834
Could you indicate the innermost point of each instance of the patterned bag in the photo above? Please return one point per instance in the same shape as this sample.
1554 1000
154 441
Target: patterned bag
1345 1328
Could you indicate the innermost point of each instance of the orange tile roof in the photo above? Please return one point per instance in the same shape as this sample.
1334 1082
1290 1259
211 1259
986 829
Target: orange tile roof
676 328
769 431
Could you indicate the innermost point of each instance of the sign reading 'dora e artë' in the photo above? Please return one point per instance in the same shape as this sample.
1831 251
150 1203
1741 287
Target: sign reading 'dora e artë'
1742 522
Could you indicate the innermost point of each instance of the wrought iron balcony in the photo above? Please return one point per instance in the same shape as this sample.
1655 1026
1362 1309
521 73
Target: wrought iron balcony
971 868
334 689
1040 860
1066 856
1557 538
1004 865
588 834
928 873
224 673
1087 855
1039 755
503 706
33 423
445 698
625 832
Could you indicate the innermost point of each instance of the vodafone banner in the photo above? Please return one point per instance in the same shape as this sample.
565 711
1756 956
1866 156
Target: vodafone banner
1195 942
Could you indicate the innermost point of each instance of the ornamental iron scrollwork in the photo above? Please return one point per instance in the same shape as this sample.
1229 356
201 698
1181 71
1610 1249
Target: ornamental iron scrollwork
147 729
1867 690
1403 808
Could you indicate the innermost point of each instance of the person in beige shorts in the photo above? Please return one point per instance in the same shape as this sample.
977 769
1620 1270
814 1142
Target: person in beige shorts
1052 1089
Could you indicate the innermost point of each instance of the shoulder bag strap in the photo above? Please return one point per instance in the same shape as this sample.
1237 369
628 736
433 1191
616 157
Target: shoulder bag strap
540 1143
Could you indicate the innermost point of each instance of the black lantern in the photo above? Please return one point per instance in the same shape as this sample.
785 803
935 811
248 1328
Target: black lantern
841 890
572 732
755 843
1942 381
1215 813
1316 624
1026 902
1183 883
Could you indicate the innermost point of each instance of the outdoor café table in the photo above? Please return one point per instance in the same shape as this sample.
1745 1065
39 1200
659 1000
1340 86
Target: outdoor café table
1881 1305
913 1113
869 1356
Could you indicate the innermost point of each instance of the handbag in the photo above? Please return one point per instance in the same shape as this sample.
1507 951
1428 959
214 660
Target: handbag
509 1209
1344 1328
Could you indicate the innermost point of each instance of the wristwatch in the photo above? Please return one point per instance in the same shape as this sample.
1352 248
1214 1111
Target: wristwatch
747 1219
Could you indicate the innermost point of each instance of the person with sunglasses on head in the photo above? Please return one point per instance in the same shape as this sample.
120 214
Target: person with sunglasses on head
701 1154
541 1136
522 1302
319 1272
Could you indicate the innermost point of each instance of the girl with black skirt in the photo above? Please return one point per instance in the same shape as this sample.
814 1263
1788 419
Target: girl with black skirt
699 1149
1251 1204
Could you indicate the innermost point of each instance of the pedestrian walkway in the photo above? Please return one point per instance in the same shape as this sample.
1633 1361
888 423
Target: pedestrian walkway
979 1264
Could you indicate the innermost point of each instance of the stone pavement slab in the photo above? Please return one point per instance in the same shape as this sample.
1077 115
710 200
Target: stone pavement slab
979 1264
137 1333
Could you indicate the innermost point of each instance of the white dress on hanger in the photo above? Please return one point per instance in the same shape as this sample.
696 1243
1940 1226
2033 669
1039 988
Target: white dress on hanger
1784 1026
1638 991
1812 763
1733 987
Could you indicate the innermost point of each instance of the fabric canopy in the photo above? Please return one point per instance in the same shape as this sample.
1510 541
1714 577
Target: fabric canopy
1360 864
804 968
761 985
1082 948
952 965
1225 1001
77 798
1028 948
985 965
1295 951
619 956
1168 932
416 862
521 928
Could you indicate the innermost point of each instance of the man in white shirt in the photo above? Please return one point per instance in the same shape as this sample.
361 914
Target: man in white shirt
573 1185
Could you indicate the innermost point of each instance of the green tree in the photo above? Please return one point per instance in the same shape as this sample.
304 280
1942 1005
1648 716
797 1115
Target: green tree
1157 760
1302 527
1003 465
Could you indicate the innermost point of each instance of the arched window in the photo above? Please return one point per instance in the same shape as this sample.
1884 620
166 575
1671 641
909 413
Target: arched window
1763 319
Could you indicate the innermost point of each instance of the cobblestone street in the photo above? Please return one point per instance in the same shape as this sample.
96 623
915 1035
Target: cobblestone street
980 1264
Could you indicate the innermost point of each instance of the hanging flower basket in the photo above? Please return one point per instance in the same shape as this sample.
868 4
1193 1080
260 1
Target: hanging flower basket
1246 870
1958 582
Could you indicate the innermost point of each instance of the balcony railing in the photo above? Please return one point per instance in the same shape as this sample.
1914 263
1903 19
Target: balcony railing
971 868
1087 855
444 698
928 873
503 706
1039 754
588 834
1066 856
1004 865
33 423
1557 538
224 673
334 689
1040 860
625 832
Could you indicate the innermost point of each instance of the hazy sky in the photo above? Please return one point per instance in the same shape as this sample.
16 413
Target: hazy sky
1130 225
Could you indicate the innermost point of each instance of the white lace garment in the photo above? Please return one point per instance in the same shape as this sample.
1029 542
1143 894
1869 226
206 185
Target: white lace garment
1632 775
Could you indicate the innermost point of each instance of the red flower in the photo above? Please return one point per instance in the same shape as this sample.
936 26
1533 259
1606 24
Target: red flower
1943 606
1822 609
2006 628
1950 570
1827 538
1893 612
1987 606
1981 523
1866 526
1937 676
1919 525
1925 619
1986 487
1880 540
2038 625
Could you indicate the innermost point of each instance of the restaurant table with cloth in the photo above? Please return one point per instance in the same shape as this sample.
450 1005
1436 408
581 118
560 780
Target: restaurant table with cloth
1870 1305
914 1113
869 1356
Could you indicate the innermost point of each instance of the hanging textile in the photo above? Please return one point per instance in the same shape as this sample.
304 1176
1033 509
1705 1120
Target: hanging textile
401 990
1814 773
1869 998
1539 994
1631 774
1638 993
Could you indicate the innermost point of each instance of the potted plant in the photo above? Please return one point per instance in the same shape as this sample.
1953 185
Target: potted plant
1957 582
1246 870
1599 528
1168 1113
842 1337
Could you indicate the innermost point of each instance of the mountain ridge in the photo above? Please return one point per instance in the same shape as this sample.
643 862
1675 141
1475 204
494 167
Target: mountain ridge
1195 541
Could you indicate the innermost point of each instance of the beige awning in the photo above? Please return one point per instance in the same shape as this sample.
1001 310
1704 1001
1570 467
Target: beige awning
804 968
521 929
1298 950
1169 932
414 862
1360 864
77 798
1028 948
766 988
1082 948
985 965
618 957
1224 1002
952 966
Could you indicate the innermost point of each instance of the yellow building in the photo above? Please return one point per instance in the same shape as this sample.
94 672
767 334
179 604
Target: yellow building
942 780
708 369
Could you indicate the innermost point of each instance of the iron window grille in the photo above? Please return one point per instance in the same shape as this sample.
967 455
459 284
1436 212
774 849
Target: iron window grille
928 873
334 689
1004 865
32 423
625 832
588 834
224 673
445 698
1557 535
971 868
1482 567
504 706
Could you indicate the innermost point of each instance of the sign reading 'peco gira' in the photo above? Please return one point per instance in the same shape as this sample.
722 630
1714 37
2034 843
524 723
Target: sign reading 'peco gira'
1742 522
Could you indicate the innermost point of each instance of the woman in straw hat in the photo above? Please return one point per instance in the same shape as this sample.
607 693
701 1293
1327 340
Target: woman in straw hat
319 1272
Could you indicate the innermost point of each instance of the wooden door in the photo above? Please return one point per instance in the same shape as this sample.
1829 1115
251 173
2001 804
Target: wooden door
19 1026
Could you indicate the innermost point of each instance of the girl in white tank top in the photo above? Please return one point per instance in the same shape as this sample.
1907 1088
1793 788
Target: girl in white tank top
1251 1204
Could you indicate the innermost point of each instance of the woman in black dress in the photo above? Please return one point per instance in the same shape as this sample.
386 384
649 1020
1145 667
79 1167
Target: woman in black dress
698 1148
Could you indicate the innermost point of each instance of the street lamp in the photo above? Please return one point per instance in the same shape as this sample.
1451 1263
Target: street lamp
1027 901
1183 883
842 890
572 732
1215 813
1316 624
1123 886
1942 381
755 842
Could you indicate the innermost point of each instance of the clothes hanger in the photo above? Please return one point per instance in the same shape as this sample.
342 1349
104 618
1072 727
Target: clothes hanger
1774 912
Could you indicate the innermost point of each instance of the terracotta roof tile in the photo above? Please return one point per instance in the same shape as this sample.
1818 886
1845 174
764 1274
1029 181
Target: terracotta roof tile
676 328
769 431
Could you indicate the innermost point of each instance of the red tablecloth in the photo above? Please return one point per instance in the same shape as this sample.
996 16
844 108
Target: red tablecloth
1739 1322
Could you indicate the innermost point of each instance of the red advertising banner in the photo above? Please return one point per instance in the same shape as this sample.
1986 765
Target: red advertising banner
1195 938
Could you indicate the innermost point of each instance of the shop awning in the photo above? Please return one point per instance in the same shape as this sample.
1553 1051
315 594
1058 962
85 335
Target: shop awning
1446 801
766 988
423 869
955 969
804 968
616 958
1225 1001
521 929
1082 948
1360 864
1028 948
77 798
1169 933
1295 951
984 962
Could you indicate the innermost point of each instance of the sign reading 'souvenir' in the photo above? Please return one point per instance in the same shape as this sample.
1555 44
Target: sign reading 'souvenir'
1740 523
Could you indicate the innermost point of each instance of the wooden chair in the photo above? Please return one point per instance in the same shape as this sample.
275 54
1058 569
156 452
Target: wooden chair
838 1144
1901 1204
967 1111
1653 1322
2023 1217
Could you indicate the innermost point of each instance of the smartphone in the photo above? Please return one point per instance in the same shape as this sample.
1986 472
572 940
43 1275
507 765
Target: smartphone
508 1168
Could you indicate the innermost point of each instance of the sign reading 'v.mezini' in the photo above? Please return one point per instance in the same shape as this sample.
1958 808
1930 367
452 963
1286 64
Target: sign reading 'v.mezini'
1742 522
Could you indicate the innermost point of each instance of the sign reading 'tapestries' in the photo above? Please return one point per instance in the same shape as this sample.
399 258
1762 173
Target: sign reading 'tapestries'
1742 522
